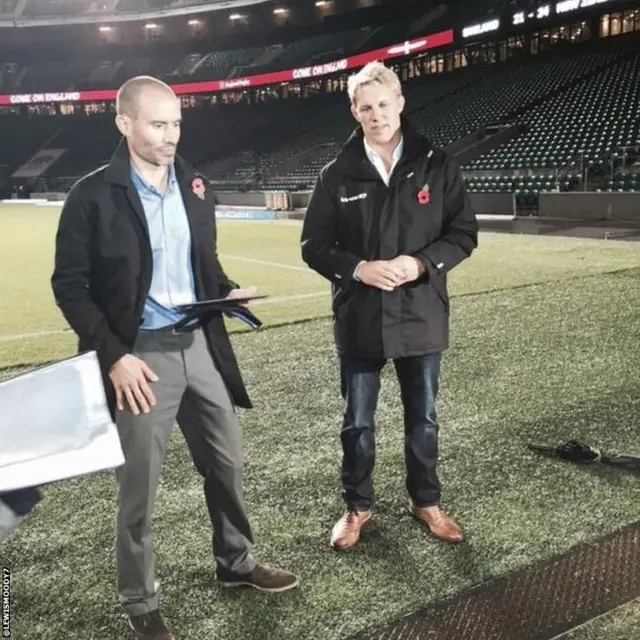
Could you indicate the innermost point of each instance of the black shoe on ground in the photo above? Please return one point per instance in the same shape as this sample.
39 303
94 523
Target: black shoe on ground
263 578
150 626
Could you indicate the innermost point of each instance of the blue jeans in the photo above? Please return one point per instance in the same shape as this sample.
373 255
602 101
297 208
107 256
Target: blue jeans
360 384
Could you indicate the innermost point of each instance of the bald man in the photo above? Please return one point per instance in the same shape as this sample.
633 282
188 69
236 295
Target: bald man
136 239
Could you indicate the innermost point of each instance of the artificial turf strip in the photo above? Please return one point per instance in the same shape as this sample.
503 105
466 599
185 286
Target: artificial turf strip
542 363
623 623
538 602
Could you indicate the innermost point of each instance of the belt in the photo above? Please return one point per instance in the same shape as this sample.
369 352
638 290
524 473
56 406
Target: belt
176 329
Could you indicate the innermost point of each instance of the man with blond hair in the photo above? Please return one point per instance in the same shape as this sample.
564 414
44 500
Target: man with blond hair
388 219
136 240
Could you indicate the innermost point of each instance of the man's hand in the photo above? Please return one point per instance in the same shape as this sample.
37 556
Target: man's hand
130 377
381 274
248 292
411 268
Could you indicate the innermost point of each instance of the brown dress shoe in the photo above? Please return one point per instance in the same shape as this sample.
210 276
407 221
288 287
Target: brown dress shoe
439 523
263 577
150 626
346 532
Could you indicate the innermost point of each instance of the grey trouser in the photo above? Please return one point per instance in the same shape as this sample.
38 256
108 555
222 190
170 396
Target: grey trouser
190 390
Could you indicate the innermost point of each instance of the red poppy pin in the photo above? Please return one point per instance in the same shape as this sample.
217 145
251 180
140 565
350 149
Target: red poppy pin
197 186
424 195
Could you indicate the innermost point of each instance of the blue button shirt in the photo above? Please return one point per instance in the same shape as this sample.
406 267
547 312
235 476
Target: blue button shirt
172 281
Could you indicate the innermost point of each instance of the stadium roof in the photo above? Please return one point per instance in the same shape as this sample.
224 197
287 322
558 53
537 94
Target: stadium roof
43 12
34 13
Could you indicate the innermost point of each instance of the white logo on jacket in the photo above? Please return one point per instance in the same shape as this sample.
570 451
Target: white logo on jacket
360 196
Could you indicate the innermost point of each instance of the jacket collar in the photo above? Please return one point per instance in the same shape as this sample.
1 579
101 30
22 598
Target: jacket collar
118 172
352 158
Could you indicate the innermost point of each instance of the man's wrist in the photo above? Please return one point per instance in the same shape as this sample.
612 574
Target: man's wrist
357 269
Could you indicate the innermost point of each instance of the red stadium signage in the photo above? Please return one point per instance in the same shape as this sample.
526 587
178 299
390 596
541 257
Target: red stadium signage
33 98
304 73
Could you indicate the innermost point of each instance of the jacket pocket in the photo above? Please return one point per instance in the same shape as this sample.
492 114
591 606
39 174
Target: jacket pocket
342 295
439 285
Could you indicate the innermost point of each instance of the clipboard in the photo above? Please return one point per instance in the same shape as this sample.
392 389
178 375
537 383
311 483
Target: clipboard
217 304
231 307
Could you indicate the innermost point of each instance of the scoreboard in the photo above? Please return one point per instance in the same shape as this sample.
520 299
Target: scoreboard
541 12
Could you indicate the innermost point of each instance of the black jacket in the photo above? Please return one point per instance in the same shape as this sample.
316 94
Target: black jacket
354 216
103 267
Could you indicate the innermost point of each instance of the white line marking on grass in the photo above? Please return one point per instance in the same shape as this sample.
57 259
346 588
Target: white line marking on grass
275 300
292 298
267 263
34 334
278 221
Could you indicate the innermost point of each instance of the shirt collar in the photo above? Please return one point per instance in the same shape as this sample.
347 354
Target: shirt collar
374 155
142 185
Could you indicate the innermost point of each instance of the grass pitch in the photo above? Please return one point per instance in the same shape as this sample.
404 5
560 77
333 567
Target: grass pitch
544 348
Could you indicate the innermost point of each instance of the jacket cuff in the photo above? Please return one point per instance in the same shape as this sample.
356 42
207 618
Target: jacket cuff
354 275
346 271
429 269
225 288
111 352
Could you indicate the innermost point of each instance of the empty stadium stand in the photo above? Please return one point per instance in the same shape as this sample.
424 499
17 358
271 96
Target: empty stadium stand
51 76
624 181
531 123
23 136
109 72
318 49
590 119
544 94
113 73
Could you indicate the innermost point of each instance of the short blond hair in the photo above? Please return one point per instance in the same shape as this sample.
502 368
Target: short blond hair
370 73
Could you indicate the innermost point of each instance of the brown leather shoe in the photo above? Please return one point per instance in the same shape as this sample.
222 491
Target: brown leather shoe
440 524
346 532
150 626
263 577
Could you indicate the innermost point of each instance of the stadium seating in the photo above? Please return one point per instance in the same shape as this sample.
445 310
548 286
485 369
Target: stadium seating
590 119
446 107
97 70
510 92
622 182
22 136
220 64
317 50
550 181
112 73
571 135
578 106
50 76
292 154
